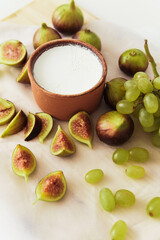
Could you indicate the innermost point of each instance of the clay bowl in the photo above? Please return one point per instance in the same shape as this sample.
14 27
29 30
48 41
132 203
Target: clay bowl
60 106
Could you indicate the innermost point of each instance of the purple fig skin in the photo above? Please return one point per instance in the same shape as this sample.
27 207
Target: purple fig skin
114 92
67 18
36 129
114 128
132 61
44 34
89 37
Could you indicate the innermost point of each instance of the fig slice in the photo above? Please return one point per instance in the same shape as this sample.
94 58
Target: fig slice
52 187
80 127
7 111
16 125
13 53
33 127
47 125
62 145
23 161
23 75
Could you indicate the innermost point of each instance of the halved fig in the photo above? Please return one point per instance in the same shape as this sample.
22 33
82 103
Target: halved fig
7 111
62 145
23 161
80 127
52 187
33 127
13 53
23 75
47 125
16 125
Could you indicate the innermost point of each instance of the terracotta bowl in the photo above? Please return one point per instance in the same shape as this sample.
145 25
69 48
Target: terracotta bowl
60 106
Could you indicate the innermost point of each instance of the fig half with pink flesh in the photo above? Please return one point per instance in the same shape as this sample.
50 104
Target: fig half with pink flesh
62 145
7 111
16 125
52 187
47 125
23 161
33 127
80 127
23 75
13 53
114 128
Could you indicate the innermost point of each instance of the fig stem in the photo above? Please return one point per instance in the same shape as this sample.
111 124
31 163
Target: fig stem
150 59
87 30
44 25
26 178
35 201
72 5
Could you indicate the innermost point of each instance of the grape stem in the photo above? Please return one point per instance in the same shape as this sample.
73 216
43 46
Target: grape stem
151 59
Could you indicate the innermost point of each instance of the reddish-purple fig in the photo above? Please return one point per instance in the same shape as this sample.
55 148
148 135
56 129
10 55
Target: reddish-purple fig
114 128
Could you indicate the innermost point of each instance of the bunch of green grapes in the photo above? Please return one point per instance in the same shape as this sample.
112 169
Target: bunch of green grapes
142 99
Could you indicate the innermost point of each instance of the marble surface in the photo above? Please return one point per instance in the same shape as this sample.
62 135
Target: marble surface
78 215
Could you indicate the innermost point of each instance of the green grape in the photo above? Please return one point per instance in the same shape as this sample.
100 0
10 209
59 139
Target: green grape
120 156
118 230
124 198
136 111
154 127
153 207
125 107
135 172
130 84
146 119
94 176
150 102
107 199
144 85
157 114
156 139
140 75
132 94
138 154
156 83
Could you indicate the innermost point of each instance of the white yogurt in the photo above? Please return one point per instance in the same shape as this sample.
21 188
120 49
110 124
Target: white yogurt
68 69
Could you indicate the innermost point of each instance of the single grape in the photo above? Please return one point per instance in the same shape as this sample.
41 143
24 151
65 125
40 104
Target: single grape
156 83
135 172
156 139
124 198
144 85
107 199
138 154
125 107
120 156
94 176
132 94
130 84
140 75
146 119
119 230
153 207
136 111
157 114
154 127
150 102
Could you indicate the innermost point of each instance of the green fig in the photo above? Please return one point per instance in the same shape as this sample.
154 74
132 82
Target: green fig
62 145
44 34
80 127
7 111
47 125
132 61
23 75
90 37
13 53
114 91
16 125
52 187
23 161
33 127
67 18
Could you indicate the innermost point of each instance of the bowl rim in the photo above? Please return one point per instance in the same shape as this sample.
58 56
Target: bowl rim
61 42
